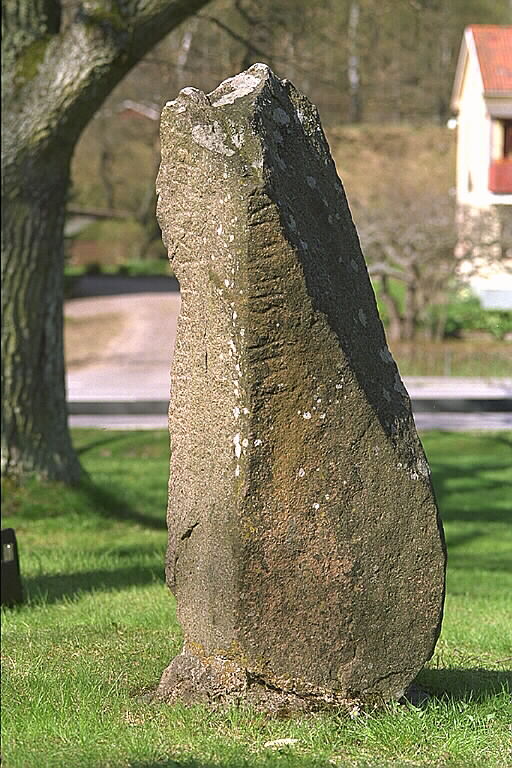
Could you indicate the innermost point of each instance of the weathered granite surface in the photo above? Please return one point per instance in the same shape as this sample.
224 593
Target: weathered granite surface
305 548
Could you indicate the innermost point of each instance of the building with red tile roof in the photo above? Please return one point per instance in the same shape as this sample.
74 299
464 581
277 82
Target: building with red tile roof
482 99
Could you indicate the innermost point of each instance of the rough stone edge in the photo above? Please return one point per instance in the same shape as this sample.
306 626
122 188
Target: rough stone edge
219 683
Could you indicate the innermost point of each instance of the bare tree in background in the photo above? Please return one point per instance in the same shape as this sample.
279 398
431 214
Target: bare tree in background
417 243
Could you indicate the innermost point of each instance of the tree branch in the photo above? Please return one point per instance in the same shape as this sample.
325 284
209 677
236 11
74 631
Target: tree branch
82 65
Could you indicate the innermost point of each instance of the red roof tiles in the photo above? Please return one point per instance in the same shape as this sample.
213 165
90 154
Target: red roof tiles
494 50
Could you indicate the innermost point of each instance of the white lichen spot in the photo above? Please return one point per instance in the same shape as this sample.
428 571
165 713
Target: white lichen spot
414 475
226 283
280 116
327 497
245 442
219 229
234 316
306 415
322 416
237 470
301 472
242 332
362 317
236 412
258 442
319 400
238 447
212 138
238 86
231 238
339 386
238 139
245 411
311 181
316 505
423 467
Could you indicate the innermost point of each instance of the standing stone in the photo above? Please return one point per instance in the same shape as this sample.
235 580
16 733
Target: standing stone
305 548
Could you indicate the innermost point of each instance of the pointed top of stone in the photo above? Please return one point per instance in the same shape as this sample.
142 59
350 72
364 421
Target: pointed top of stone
241 85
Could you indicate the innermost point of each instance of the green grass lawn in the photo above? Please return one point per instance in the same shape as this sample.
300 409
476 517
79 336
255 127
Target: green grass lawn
99 627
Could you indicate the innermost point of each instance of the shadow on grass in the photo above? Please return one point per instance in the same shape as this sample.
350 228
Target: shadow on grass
465 684
114 507
100 442
53 588
467 491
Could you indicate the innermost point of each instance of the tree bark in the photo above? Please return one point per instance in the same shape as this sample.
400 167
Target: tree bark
53 82
35 437
410 322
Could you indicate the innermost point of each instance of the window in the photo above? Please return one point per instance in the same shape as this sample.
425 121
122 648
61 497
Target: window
507 138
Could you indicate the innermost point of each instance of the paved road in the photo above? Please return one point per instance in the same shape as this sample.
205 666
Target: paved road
453 422
134 366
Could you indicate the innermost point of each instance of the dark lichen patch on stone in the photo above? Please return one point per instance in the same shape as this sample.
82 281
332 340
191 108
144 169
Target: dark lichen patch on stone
316 571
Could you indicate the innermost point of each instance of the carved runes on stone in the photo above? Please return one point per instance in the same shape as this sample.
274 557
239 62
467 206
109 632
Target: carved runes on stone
305 548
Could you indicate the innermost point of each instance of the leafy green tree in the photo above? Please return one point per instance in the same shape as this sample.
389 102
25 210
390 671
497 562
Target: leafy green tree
61 59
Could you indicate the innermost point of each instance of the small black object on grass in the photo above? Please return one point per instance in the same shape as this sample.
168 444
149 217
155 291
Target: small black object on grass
11 589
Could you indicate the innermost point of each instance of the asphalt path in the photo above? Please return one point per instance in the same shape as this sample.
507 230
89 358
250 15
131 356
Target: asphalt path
125 382
450 422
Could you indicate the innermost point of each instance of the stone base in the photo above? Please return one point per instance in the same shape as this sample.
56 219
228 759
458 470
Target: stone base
220 682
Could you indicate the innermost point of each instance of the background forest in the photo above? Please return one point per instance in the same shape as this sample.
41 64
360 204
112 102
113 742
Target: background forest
381 74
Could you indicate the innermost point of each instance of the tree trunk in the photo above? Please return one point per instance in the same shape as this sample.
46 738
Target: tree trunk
35 437
410 312
353 64
394 329
53 80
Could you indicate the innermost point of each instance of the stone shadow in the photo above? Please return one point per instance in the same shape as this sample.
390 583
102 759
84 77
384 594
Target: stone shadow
465 684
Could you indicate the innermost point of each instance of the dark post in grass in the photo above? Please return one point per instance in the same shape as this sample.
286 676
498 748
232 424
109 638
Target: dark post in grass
305 547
